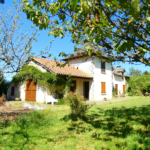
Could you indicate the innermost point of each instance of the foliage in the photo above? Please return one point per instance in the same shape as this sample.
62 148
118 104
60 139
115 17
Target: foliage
3 85
114 92
146 73
15 44
43 78
2 1
78 107
120 28
60 102
139 85
134 72
117 125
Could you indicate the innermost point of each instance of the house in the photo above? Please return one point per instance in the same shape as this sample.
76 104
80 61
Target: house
93 78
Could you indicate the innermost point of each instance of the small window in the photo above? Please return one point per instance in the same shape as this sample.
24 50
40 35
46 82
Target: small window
103 87
103 67
73 88
12 91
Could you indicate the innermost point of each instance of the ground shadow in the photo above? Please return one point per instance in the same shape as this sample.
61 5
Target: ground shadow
120 123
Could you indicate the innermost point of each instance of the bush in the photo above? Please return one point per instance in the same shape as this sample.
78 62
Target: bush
114 92
139 85
78 107
61 102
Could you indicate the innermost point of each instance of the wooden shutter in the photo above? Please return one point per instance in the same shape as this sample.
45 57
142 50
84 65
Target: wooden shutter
102 66
103 87
116 88
73 88
12 91
124 88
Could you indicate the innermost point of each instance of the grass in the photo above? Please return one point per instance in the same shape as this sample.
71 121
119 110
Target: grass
112 126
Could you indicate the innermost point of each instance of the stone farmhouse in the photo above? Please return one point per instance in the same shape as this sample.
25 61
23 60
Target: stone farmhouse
93 78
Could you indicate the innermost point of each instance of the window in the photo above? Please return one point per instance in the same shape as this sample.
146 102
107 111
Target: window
12 91
73 88
103 67
103 87
124 88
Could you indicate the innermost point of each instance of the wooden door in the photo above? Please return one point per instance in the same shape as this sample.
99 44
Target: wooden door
86 89
124 88
116 88
30 91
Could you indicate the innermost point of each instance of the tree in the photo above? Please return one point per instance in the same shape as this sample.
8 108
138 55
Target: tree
15 45
134 72
2 1
120 28
146 73
3 85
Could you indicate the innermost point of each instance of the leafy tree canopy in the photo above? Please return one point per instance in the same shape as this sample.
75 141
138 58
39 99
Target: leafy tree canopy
134 72
146 73
120 28
139 85
2 1
15 44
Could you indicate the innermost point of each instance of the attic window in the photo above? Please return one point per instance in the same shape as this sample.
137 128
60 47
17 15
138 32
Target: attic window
103 67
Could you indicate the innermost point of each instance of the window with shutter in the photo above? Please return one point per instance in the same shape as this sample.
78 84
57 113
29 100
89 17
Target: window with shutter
116 88
103 67
103 87
73 88
12 91
124 88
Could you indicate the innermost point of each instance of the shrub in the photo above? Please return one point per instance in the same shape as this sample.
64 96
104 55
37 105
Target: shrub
78 107
61 102
139 85
114 92
2 99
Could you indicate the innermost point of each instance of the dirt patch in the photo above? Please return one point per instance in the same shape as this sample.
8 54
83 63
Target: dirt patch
10 113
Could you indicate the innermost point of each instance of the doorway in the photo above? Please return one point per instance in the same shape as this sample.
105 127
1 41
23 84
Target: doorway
30 91
86 89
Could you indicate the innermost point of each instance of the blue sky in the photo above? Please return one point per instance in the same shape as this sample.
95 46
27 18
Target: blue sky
64 44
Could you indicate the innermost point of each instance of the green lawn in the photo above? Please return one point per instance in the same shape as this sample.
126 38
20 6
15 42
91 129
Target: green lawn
113 126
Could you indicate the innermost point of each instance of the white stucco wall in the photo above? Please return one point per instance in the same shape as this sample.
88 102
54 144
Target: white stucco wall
37 66
85 64
120 81
19 91
92 65
20 88
99 77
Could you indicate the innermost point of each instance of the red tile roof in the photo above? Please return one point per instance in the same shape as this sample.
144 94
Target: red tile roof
67 69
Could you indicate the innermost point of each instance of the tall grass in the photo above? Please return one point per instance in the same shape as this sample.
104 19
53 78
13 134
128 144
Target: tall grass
118 125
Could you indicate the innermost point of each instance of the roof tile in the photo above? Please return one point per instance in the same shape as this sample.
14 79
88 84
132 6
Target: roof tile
67 69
